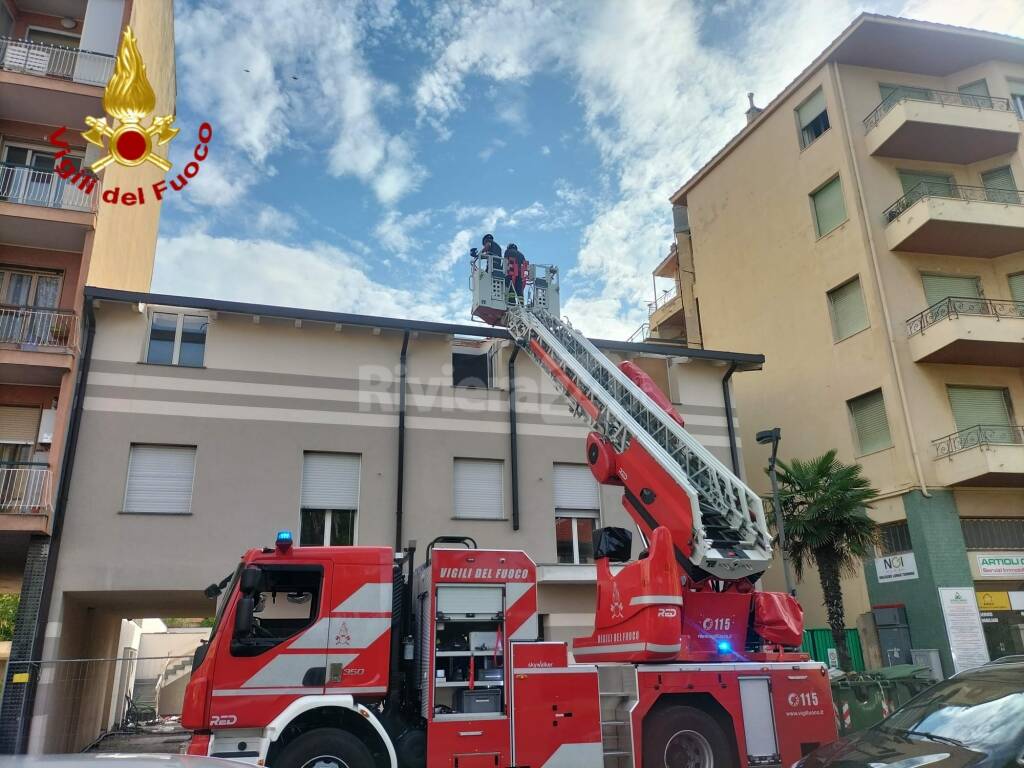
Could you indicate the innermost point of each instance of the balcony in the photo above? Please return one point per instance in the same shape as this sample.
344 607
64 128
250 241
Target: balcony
941 126
30 197
37 346
25 496
50 84
969 331
957 220
984 455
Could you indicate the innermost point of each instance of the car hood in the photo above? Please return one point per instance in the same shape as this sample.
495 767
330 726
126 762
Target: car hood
879 749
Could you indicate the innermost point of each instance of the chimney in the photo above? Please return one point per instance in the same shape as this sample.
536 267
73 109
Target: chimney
752 111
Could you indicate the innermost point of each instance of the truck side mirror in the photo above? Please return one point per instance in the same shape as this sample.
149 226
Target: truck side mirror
243 616
614 543
250 582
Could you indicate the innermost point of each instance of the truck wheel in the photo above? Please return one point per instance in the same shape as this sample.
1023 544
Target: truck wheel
684 737
325 748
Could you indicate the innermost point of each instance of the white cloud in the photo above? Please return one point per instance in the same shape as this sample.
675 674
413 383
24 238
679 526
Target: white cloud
400 234
288 74
269 220
545 149
494 145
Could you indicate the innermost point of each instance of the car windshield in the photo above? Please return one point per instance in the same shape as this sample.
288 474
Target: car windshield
980 710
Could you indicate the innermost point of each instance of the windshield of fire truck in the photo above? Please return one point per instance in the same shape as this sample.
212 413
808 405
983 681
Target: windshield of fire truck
222 601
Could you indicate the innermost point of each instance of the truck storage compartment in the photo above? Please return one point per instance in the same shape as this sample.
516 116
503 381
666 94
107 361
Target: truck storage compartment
472 601
481 700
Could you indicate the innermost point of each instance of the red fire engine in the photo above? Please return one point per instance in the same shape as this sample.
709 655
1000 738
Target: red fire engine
353 657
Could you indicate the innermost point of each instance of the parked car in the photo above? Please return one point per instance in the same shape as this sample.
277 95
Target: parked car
973 719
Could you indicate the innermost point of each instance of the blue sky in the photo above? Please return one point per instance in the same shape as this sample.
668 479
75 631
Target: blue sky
361 147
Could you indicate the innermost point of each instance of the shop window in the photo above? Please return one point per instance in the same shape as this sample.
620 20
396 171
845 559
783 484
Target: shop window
993 532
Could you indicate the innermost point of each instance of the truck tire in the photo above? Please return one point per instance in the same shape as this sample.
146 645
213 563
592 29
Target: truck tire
325 748
683 737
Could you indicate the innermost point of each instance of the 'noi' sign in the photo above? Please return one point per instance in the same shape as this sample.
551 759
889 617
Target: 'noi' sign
896 567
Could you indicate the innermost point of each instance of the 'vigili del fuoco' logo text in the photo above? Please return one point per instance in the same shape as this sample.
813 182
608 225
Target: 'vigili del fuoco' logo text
129 101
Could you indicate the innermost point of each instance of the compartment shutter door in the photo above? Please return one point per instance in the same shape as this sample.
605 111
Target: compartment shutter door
974 406
160 479
18 425
575 488
479 489
1017 286
330 480
461 600
940 287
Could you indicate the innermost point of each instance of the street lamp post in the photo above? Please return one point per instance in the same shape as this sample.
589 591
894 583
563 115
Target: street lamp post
772 437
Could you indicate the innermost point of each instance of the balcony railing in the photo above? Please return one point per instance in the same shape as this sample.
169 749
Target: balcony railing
978 436
952 307
28 186
952 192
640 334
55 61
24 487
950 98
33 327
663 298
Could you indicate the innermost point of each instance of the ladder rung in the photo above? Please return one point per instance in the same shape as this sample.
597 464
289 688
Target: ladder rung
612 722
618 753
617 693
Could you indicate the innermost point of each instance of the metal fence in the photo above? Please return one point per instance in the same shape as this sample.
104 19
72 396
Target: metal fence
946 98
978 436
35 327
663 298
25 488
953 192
56 61
96 699
30 186
953 307
640 334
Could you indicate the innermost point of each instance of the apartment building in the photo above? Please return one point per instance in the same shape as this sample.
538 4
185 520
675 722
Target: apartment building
865 230
206 427
56 57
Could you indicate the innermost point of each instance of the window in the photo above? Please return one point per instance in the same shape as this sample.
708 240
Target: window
177 339
993 533
894 538
870 424
472 366
975 95
160 479
812 117
479 489
329 499
577 511
846 305
286 602
1000 186
1017 98
32 290
983 407
917 184
829 209
1016 286
940 287
19 427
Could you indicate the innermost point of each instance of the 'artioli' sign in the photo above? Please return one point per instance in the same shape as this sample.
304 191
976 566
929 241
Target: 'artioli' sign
1001 565
896 567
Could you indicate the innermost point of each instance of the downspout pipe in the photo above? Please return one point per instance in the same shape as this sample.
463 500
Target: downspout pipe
399 497
734 451
59 512
876 269
513 452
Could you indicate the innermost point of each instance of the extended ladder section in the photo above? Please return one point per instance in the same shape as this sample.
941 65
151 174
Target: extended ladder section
729 530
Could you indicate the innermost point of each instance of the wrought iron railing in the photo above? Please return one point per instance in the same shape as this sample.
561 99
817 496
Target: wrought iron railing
55 61
952 307
25 487
34 327
953 192
978 436
660 300
641 333
29 186
947 98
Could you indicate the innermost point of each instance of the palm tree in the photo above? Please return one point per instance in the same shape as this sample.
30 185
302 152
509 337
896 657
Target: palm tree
823 508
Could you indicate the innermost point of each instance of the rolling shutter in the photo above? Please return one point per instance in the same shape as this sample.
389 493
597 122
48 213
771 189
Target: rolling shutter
980 88
1000 186
330 480
18 424
848 312
974 406
479 489
811 108
829 209
575 489
935 183
160 479
1017 286
940 287
870 422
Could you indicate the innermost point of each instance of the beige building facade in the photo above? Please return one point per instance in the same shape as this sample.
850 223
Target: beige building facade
865 231
206 427
56 237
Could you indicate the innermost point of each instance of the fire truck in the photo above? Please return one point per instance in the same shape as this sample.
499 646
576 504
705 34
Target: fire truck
360 657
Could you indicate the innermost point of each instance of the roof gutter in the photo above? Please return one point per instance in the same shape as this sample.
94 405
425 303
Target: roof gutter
734 451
